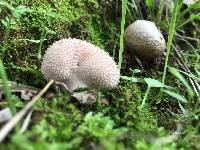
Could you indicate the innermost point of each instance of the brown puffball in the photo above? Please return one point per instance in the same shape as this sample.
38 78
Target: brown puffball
145 39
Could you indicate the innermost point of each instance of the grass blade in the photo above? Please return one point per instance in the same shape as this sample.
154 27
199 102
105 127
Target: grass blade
6 89
176 96
145 97
122 33
169 42
177 74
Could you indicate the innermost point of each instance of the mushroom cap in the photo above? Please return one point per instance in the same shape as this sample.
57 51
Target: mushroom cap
145 39
78 63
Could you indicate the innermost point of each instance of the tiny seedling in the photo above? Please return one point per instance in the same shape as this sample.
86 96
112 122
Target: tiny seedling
151 83
156 84
43 36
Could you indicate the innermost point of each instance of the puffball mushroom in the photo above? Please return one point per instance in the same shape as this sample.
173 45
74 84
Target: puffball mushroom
145 39
79 64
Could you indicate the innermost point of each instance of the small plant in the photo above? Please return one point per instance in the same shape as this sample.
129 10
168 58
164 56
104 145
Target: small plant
43 36
10 22
164 88
150 83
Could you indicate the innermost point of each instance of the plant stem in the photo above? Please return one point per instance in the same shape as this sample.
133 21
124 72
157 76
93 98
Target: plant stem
42 37
170 37
145 96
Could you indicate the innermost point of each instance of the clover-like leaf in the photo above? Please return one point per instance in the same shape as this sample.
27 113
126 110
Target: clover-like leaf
153 82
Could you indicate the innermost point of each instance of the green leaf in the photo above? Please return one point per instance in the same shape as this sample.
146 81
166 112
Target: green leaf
149 3
197 16
190 74
178 75
4 23
153 83
198 73
135 71
176 96
194 6
32 41
130 78
2 3
19 11
184 111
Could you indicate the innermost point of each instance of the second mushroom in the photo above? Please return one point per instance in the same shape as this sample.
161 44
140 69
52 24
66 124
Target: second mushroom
145 40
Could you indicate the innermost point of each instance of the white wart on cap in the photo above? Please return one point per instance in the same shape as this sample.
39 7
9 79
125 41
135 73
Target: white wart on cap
79 64
145 39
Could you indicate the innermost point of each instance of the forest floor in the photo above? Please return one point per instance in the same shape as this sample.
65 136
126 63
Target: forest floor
142 112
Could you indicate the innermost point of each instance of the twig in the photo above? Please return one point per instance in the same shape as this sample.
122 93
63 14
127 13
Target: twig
188 43
8 126
3 103
187 38
26 122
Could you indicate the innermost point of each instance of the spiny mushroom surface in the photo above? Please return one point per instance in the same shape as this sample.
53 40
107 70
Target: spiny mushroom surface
145 39
78 64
